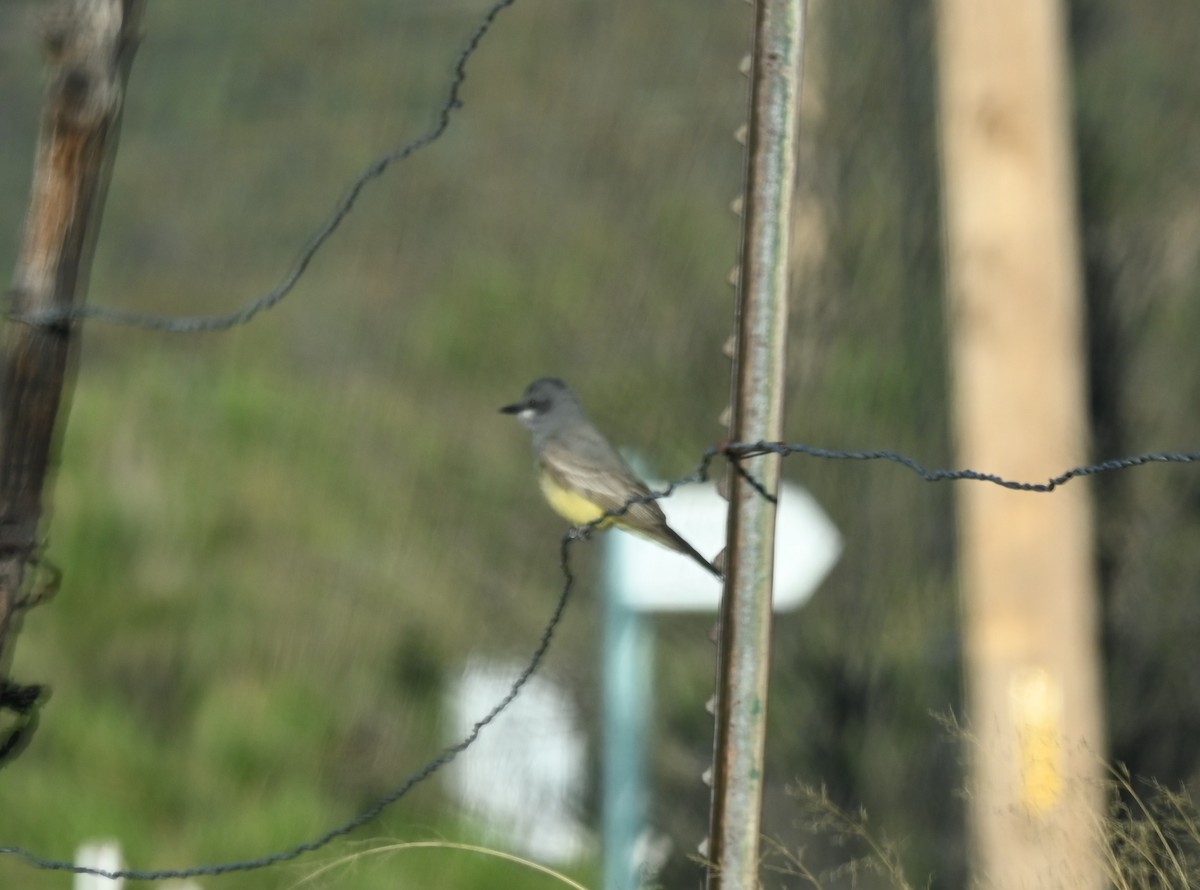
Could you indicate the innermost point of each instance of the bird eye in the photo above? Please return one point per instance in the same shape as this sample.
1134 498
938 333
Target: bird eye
541 406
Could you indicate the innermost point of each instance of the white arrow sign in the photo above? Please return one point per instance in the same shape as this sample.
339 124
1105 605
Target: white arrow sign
652 578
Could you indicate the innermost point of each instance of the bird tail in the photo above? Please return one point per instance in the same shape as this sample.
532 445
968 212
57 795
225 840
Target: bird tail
672 539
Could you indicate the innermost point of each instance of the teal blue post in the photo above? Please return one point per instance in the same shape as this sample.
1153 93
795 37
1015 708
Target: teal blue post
627 681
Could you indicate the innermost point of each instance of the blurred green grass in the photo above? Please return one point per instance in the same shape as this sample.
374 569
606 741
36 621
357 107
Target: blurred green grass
250 638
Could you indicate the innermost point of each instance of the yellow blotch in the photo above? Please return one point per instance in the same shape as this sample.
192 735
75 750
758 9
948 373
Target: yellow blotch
1036 700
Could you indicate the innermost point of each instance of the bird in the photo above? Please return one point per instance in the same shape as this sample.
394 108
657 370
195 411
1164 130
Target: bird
581 474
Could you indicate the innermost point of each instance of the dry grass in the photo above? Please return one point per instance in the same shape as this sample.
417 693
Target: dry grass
1152 841
868 854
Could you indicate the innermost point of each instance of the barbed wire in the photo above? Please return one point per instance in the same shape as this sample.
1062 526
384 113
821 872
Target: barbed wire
196 324
735 453
740 450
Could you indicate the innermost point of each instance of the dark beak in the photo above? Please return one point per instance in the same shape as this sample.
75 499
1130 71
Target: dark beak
513 409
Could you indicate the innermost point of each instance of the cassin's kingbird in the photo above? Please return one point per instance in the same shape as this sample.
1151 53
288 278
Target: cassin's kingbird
581 474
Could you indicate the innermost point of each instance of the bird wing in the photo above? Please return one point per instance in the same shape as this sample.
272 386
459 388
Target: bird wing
598 472
594 469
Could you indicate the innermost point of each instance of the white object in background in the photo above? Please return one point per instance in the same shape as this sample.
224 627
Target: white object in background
655 579
524 776
103 856
106 856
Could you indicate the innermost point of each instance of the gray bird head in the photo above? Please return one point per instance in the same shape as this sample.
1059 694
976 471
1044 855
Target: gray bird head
547 405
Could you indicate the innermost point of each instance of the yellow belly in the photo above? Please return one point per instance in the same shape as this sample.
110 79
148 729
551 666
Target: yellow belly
573 507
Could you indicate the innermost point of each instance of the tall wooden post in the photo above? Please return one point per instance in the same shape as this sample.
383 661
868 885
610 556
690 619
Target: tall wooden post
1016 326
90 46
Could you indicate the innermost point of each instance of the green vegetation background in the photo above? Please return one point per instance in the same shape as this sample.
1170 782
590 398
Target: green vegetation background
280 542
